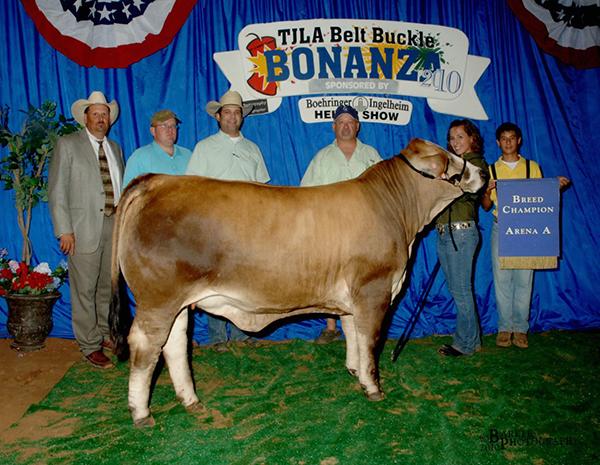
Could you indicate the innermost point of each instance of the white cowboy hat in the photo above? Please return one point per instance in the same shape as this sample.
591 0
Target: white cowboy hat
78 108
231 97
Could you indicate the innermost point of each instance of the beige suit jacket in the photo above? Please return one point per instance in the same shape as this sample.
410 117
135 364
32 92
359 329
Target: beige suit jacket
75 192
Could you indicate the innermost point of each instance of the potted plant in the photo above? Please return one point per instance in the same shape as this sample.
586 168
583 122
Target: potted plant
30 291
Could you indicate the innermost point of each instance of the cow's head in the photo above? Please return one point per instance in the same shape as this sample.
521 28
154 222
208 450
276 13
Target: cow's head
434 162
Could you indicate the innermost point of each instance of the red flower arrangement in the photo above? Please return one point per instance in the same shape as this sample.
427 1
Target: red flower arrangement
20 278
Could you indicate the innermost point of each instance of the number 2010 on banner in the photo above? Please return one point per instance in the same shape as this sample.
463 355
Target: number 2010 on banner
440 80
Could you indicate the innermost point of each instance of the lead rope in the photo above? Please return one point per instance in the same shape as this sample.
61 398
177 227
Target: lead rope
450 228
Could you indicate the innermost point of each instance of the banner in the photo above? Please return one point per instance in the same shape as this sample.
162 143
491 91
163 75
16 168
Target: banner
568 30
341 56
528 223
370 109
108 33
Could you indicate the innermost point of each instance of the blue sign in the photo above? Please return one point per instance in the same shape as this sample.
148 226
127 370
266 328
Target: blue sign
528 217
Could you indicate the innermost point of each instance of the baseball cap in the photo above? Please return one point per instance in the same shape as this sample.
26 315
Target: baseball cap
163 115
345 109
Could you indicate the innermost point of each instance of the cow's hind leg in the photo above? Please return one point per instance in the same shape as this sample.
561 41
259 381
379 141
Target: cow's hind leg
143 358
175 353
147 335
352 361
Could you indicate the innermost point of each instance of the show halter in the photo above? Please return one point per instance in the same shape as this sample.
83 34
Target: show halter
454 179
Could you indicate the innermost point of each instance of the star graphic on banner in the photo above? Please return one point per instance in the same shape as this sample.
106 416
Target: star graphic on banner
104 13
126 11
69 25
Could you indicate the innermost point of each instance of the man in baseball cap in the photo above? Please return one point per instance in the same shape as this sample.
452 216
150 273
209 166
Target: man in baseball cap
345 158
163 155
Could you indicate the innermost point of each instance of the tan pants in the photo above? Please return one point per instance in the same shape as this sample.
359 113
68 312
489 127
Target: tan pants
89 279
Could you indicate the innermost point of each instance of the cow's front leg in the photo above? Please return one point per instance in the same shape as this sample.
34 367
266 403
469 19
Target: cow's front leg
369 312
352 360
368 375
175 353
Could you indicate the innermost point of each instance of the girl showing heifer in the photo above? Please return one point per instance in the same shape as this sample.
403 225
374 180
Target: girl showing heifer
458 239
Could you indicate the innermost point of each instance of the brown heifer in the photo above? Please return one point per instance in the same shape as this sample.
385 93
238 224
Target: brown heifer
255 254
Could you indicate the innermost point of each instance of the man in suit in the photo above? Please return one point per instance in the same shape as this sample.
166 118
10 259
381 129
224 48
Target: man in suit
84 185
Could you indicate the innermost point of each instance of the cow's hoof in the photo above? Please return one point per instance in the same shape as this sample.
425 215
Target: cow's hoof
353 372
196 407
147 422
375 396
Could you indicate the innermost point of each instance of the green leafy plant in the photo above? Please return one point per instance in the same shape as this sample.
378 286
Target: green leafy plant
23 166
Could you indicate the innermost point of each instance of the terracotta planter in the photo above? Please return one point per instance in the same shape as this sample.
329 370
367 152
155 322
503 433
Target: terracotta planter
30 320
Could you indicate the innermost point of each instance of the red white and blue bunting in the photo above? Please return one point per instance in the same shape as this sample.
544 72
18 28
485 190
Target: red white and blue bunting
108 33
569 30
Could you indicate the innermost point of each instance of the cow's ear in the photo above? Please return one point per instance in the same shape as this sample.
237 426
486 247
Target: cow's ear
413 149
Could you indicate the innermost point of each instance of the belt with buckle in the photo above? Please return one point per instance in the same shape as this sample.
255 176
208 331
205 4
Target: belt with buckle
443 228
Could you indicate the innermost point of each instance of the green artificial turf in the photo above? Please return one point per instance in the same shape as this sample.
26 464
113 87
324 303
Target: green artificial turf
294 403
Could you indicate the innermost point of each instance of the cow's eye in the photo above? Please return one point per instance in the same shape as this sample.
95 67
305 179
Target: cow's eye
455 179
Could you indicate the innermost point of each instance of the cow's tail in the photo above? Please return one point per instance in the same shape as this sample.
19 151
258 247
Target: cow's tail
119 317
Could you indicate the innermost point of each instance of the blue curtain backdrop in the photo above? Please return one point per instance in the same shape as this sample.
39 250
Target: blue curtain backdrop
556 106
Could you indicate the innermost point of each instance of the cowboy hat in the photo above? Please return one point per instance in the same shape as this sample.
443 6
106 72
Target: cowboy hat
231 97
78 108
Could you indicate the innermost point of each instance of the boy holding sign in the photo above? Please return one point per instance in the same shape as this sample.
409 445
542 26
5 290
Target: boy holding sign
513 286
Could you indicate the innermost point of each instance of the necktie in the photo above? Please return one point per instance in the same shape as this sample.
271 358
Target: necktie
109 205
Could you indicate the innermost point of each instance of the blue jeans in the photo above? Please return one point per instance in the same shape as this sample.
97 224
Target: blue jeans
513 293
457 266
217 330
